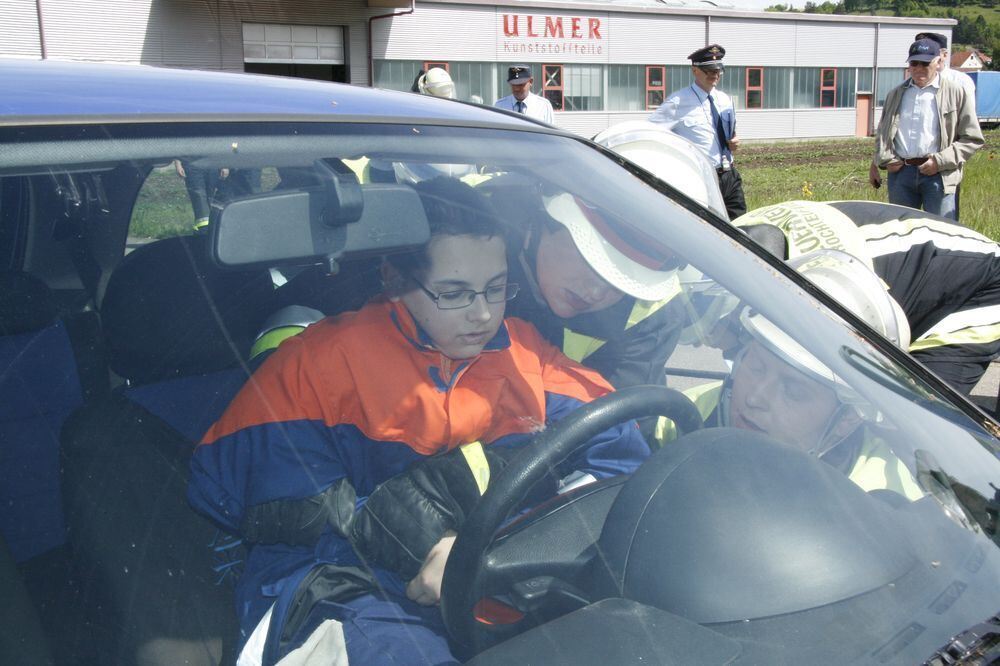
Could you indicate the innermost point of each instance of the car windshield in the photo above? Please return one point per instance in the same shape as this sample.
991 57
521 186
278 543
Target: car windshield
863 525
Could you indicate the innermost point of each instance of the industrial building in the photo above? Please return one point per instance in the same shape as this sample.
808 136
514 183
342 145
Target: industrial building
790 75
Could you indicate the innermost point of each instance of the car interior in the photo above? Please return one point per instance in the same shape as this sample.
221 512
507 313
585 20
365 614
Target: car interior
122 340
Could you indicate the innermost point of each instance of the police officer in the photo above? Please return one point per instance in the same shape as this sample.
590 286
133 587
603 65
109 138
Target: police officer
521 98
704 115
946 277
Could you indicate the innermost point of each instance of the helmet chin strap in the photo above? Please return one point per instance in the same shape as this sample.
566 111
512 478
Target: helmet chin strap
827 442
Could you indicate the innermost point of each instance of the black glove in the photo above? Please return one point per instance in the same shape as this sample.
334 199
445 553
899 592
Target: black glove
301 522
405 516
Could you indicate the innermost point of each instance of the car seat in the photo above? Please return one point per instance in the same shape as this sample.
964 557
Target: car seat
51 365
177 328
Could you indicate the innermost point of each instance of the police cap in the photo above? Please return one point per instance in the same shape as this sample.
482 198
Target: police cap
711 57
518 74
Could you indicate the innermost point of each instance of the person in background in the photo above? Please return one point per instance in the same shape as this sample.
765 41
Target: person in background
436 82
522 99
927 132
963 79
705 116
945 277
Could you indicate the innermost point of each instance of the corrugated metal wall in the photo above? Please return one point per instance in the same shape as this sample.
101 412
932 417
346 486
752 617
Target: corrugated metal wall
833 44
437 32
745 41
20 29
201 34
655 40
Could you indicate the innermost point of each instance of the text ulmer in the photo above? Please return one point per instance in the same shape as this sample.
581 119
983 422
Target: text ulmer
516 25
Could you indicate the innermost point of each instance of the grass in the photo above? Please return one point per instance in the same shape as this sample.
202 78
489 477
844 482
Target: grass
836 169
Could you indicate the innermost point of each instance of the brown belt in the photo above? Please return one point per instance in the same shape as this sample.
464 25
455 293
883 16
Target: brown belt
915 161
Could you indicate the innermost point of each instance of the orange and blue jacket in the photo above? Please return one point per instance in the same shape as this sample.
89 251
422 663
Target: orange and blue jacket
364 395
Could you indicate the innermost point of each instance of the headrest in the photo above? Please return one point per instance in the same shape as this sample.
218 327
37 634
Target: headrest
26 303
170 311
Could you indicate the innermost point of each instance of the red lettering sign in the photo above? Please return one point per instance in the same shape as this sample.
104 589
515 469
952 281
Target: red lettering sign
575 22
595 28
510 25
531 29
554 28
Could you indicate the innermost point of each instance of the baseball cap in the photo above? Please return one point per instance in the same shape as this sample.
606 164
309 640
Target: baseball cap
924 50
941 40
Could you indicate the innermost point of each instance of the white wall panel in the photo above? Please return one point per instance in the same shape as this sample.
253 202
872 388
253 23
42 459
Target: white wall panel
655 40
824 122
834 44
895 40
19 27
437 32
82 31
583 123
755 41
765 124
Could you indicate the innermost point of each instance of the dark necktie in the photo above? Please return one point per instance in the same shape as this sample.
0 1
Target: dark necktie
520 106
719 129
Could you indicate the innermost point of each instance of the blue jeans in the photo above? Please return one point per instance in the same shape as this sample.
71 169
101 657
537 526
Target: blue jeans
908 187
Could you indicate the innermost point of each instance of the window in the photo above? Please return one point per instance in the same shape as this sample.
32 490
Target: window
755 88
888 78
828 88
583 87
443 65
656 86
625 88
552 85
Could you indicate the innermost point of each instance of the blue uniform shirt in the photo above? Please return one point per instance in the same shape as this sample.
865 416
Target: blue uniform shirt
688 113
538 107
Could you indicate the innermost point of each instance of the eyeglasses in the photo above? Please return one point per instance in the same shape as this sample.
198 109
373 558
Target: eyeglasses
918 63
463 298
712 70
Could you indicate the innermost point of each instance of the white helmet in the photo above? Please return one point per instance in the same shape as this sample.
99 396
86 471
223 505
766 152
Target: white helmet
852 284
436 82
671 158
810 226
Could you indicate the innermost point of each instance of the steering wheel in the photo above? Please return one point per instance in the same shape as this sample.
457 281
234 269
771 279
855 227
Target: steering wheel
469 571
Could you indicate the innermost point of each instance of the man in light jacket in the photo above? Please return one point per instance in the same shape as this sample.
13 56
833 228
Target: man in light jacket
927 132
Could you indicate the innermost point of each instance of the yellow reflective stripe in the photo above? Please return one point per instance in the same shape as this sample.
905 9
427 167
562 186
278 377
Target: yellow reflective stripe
200 223
273 338
579 346
474 179
969 336
359 167
878 468
704 396
475 458
643 309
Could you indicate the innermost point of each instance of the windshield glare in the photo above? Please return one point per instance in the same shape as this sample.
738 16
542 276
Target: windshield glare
917 478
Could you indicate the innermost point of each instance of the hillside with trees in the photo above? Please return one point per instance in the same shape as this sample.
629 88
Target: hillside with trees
978 21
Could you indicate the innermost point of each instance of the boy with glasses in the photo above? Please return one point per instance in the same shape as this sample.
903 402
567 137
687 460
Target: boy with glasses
706 117
350 459
928 131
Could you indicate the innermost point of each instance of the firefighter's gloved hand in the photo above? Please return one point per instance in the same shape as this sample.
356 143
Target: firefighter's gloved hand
408 514
301 522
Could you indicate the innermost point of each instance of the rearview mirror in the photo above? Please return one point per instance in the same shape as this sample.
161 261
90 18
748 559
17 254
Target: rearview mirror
298 226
